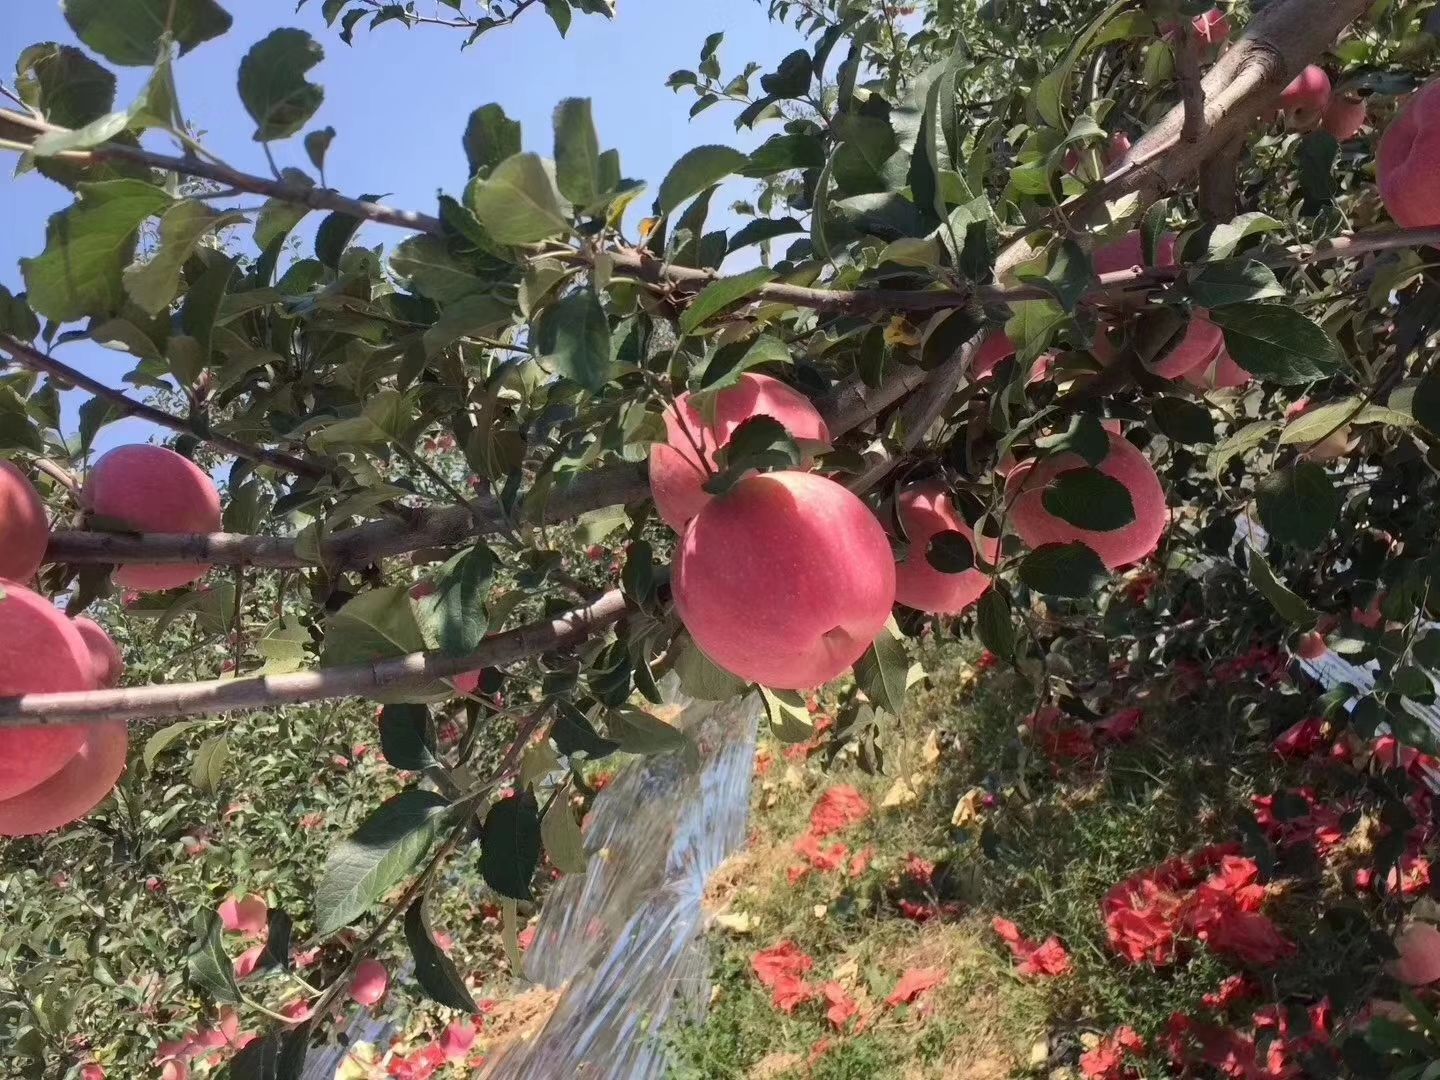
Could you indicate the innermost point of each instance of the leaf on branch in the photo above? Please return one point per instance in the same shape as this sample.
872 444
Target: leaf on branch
273 85
455 612
1298 505
490 138
129 32
781 153
701 677
563 840
510 845
1232 281
720 294
1068 277
1071 570
1277 344
760 443
950 552
575 734
65 85
733 359
434 971
1089 499
882 672
208 967
87 247
577 152
407 737
152 285
993 625
381 853
1287 604
1185 422
790 720
208 768
517 202
573 336
696 170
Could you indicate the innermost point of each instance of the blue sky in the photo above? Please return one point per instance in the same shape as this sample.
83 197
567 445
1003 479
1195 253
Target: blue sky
399 100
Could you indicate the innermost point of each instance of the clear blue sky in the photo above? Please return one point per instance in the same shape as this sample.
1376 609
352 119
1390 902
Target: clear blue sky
399 100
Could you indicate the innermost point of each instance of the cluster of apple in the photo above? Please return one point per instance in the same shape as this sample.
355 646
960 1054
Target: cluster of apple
50 776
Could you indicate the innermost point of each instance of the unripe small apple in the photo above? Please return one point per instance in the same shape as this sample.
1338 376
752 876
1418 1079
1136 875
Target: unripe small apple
370 983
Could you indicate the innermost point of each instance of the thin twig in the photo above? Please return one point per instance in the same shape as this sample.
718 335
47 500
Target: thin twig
35 360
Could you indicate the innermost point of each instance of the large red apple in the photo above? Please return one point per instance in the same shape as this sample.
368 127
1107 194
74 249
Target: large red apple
41 652
676 470
1345 116
1197 349
1025 488
153 490
1306 97
1221 373
1408 161
997 348
85 779
925 509
24 528
1128 252
106 661
785 579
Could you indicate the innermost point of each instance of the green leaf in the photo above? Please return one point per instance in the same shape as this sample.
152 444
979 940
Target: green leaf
1425 404
64 84
639 732
1072 570
720 294
1089 499
201 307
16 427
950 552
563 841
1315 424
790 720
510 845
573 336
208 769
1069 276
762 229
86 249
1287 605
1278 344
881 672
993 624
277 1056
434 271
517 203
560 14
317 145
337 230
1298 505
152 285
129 32
1185 422
1085 436
781 153
701 677
1226 237
434 971
374 625
92 134
1233 281
207 966
574 734
732 360
407 738
273 86
792 78
380 854
762 443
1047 99
455 611
1241 441
490 138
1315 165
696 170
166 737
577 152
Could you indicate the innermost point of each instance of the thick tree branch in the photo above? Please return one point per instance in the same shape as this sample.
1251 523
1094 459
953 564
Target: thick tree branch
1185 50
410 672
35 360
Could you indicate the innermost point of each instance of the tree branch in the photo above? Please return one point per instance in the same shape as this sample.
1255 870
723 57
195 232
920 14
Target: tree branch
409 672
1192 89
35 360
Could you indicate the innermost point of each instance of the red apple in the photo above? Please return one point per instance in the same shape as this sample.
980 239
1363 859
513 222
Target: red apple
925 509
24 528
1305 99
784 580
1408 161
153 490
41 652
676 469
1221 373
1025 487
1310 646
1128 252
86 777
1345 116
106 661
370 983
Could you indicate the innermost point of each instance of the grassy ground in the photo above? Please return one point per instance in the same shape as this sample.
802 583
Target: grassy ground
1014 834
